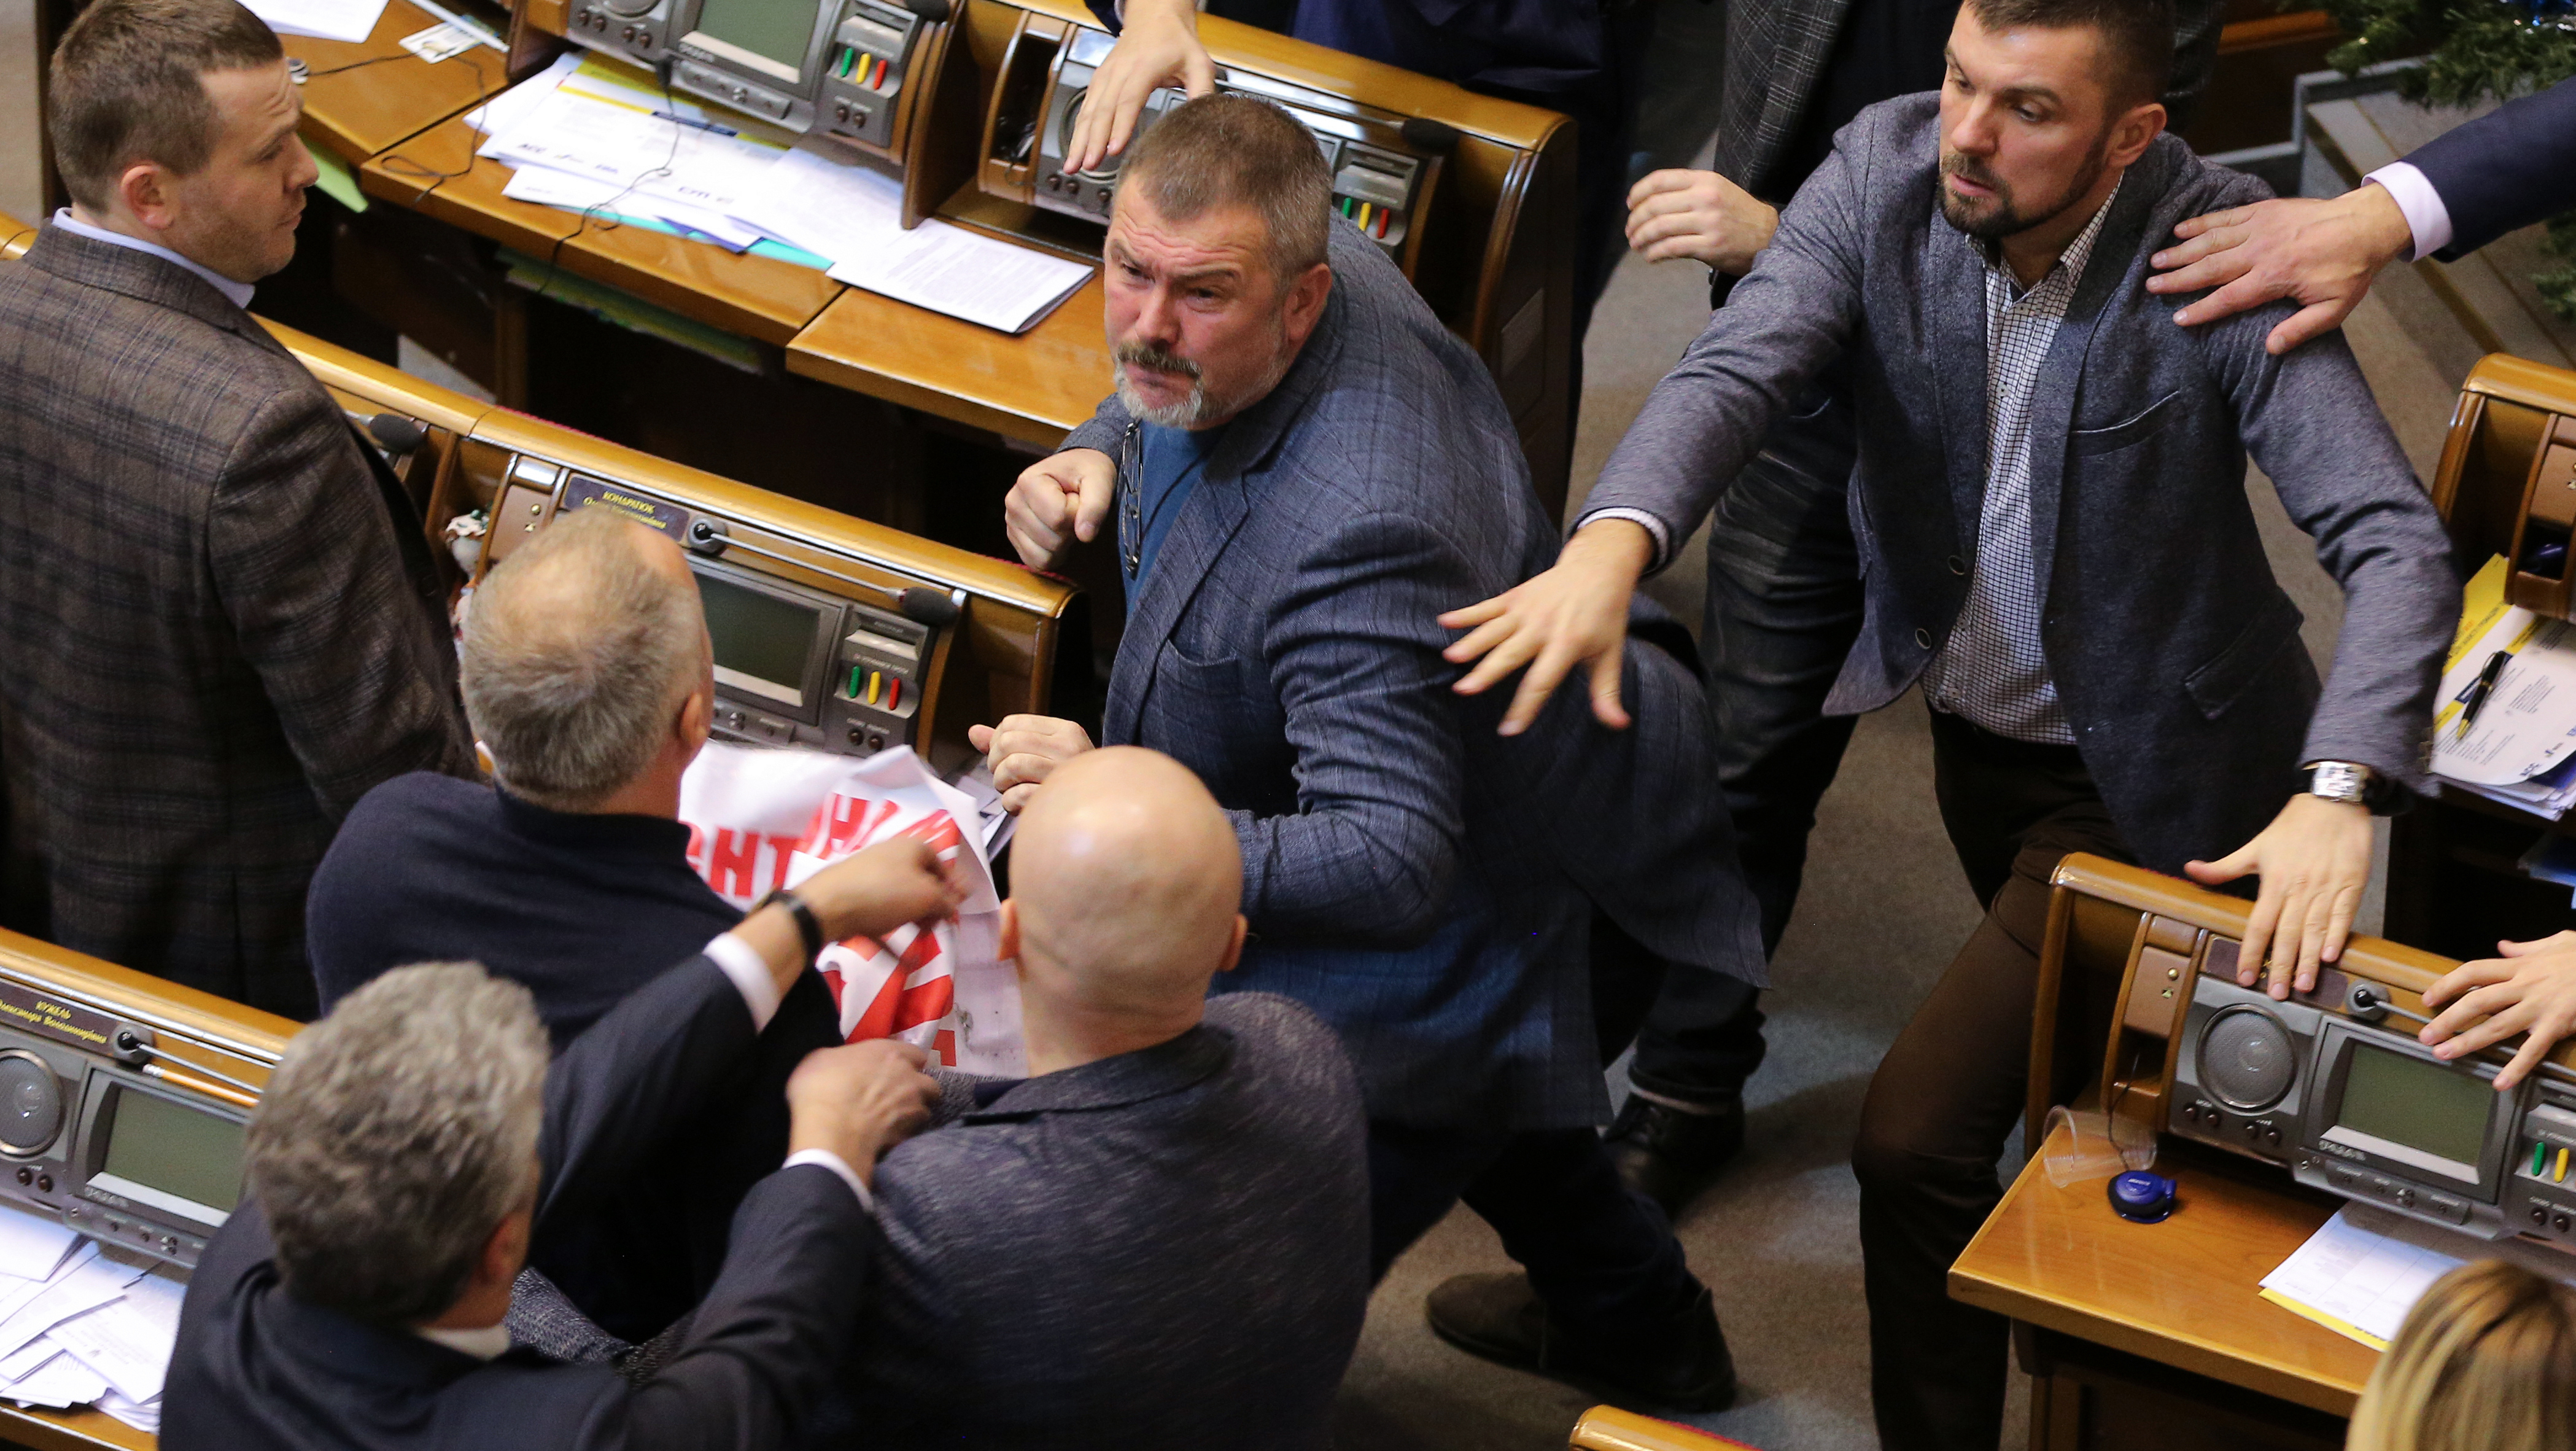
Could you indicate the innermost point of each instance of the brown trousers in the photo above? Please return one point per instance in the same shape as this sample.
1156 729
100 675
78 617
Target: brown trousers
1946 1097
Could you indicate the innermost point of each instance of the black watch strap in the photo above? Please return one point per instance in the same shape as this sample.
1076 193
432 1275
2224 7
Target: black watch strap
808 926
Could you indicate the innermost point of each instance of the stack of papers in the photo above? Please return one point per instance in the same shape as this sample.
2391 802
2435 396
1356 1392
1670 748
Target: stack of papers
2360 1273
593 136
80 1325
347 21
2520 748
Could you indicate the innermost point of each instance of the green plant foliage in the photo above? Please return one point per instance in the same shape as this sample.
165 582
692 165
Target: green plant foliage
2473 50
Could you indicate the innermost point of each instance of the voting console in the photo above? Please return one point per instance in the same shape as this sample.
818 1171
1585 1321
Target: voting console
122 1098
830 633
2330 1086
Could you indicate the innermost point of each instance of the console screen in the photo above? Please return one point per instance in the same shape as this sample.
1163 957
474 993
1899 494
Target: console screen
775 30
2425 1106
762 642
193 1156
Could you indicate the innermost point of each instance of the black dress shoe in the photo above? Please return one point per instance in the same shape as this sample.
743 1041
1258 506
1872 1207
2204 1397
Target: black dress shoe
1670 1154
1499 1318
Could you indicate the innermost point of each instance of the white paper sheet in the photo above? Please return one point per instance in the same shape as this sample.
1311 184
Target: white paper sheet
93 1282
602 141
343 20
32 1245
2367 1267
512 106
852 214
579 194
61 1381
142 1416
2525 727
128 1341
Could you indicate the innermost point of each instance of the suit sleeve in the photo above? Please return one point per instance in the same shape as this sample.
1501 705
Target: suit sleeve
2312 425
1108 424
2512 167
772 1334
305 563
651 1062
1782 324
1354 654
2197 24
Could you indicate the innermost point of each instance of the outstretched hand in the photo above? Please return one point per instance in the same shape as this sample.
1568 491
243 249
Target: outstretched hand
1573 614
2530 989
2321 254
1158 46
2314 860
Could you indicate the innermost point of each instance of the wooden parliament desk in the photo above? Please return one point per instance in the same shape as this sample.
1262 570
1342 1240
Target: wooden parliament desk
361 99
1494 258
192 1029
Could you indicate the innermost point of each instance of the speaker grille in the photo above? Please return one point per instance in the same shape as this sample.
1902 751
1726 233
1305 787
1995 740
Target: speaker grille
31 1104
2246 1059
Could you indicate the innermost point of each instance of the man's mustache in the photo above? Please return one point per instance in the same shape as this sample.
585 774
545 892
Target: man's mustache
1961 164
1154 359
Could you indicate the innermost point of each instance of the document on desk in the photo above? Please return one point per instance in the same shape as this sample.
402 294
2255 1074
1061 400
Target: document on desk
2504 722
650 154
32 1245
128 1340
2365 1268
349 21
853 214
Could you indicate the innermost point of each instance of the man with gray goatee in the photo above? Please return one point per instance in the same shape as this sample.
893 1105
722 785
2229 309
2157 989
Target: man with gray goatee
412 1143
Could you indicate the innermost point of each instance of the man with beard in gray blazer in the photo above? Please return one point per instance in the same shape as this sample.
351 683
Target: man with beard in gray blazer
2056 545
1304 467
227 625
1784 590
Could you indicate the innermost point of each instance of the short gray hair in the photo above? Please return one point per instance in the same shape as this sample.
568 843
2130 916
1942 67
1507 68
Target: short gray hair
1229 150
395 1136
576 652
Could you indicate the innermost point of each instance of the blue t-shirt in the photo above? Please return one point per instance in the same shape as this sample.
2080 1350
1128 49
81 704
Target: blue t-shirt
1172 459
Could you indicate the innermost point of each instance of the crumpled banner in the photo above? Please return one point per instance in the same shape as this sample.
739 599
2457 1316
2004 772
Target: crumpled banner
761 818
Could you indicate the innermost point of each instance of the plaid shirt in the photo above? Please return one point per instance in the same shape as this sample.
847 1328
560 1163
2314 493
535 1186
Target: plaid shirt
1992 668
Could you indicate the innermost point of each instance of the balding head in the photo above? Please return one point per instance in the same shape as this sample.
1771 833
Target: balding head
582 651
1125 888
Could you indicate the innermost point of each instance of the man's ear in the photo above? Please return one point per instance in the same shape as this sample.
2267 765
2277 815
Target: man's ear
696 720
506 1252
1006 937
1234 945
2134 132
1305 305
143 189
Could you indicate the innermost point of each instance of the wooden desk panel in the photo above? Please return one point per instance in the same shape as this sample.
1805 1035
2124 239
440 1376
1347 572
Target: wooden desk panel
359 113
15 238
2182 1293
1034 388
754 297
82 1428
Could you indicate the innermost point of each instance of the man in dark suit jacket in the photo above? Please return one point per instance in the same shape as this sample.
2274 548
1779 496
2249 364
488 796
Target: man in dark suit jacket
588 677
229 625
2513 167
1160 1236
409 1145
2050 504
1784 592
1302 460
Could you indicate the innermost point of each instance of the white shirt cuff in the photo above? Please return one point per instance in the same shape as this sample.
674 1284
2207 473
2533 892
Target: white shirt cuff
749 973
837 1165
2426 217
1653 526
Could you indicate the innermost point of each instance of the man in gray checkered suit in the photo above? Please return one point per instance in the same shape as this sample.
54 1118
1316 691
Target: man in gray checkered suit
2055 546
223 622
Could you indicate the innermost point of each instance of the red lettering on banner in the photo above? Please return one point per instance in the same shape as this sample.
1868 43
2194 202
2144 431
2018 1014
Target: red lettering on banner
927 1003
945 1045
780 848
878 1020
842 822
939 829
697 848
733 865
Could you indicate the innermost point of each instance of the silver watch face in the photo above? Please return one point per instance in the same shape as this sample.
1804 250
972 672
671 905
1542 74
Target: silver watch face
2339 781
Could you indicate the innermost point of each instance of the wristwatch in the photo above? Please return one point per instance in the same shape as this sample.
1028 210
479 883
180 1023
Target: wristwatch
2346 781
808 926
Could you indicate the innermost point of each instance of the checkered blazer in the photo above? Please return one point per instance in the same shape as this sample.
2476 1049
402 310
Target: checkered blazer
1423 884
1777 49
222 625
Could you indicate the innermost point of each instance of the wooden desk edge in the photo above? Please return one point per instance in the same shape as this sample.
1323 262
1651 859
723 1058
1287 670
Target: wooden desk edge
82 1428
1970 1285
808 361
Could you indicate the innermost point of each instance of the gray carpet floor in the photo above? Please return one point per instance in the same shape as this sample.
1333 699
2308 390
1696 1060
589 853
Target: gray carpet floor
1884 908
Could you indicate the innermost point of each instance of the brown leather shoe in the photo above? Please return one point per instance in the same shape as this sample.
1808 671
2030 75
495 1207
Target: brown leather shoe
1500 1318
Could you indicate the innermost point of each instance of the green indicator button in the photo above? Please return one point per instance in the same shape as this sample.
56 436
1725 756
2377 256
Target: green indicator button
854 685
2539 1157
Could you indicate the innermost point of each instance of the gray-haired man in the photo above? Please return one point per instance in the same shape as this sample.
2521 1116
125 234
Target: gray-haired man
410 1146
587 675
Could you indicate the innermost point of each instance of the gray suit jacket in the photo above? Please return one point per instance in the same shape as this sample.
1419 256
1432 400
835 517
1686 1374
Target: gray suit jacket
1166 1248
2175 653
224 624
1777 49
1422 883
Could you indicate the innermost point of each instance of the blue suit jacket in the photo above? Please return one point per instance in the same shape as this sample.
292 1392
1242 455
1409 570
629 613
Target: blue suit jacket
1424 885
2510 168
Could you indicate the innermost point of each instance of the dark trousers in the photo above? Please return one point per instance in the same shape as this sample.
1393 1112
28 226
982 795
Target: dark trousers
1603 1259
1784 605
1946 1097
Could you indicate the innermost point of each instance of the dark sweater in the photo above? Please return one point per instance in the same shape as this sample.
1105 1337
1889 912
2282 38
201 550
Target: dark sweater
582 910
